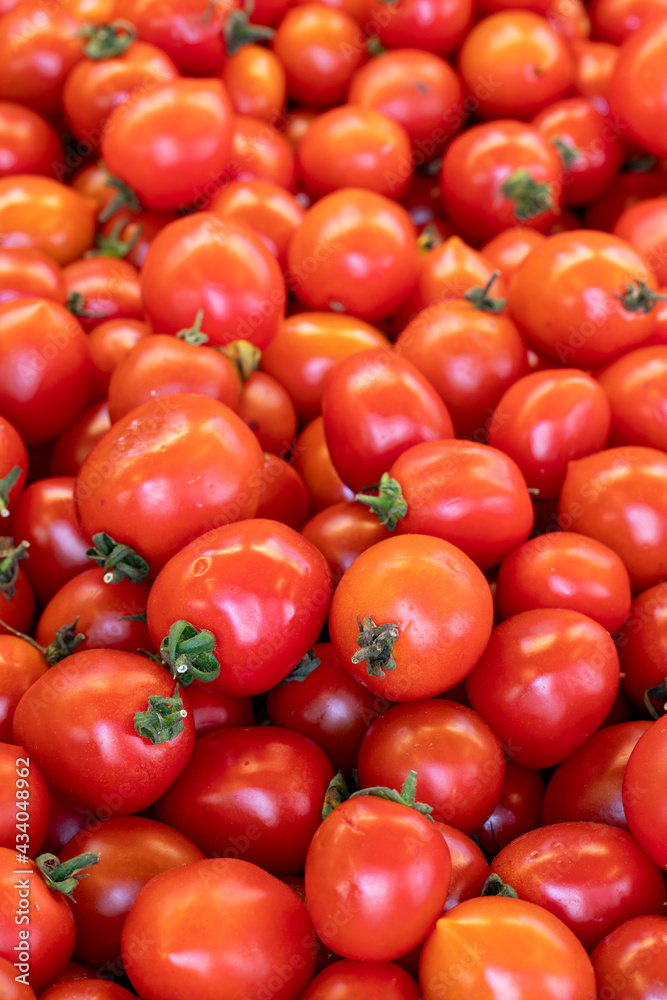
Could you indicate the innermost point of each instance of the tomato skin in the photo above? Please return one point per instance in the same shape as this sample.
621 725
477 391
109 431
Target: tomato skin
644 225
519 808
506 251
436 26
187 31
563 569
599 498
212 711
266 407
87 989
313 463
469 494
259 556
267 208
634 953
50 920
364 394
341 532
11 989
369 860
20 666
590 875
642 643
29 273
119 774
470 869
18 611
13 773
13 451
457 757
100 608
267 814
256 82
594 66
548 667
587 786
29 144
547 418
645 811
109 343
233 940
185 440
530 64
260 152
636 94
132 851
109 287
357 249
636 386
448 272
442 629
362 981
76 442
38 213
206 262
283 495
485 946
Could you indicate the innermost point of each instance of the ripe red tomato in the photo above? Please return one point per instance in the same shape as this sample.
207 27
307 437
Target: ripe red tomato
88 988
436 25
518 810
636 91
313 463
642 644
22 789
437 635
109 343
633 954
29 144
283 495
545 682
266 407
29 273
363 981
260 152
256 82
644 225
11 989
105 286
645 811
509 249
13 466
38 213
470 869
20 666
342 532
594 65
267 208
216 711
73 446
615 20
216 921
636 386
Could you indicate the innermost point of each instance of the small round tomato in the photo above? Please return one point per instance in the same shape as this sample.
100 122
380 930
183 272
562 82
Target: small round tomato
518 810
545 682
20 666
87 988
644 226
17 601
355 251
634 183
38 213
547 418
509 249
109 343
267 208
266 407
563 569
260 152
470 868
636 386
27 273
644 774
28 143
591 876
619 497
313 463
587 786
490 946
411 649
11 987
642 644
106 287
594 66
529 62
73 446
447 272
22 788
256 83
634 954
615 20
13 466
283 496
216 711
435 25
636 92
371 980
342 532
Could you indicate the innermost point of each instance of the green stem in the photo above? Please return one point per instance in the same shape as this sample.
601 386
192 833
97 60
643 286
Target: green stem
304 667
480 298
406 796
494 886
389 504
336 793
193 334
112 245
163 719
124 198
568 154
64 877
238 32
530 197
187 653
64 643
9 568
657 693
376 643
7 483
640 298
243 355
76 302
107 40
119 561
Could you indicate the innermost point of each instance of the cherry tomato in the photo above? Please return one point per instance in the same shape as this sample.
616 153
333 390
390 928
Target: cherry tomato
363 981
13 466
109 343
642 644
256 83
267 208
87 989
20 666
518 810
594 66
76 442
425 644
634 954
313 463
509 249
644 226
645 811
38 213
11 988
212 711
634 183
17 793
436 25
283 495
27 273
448 272
28 143
260 152
106 287
636 92
470 869
17 601
342 532
636 386
545 682
266 407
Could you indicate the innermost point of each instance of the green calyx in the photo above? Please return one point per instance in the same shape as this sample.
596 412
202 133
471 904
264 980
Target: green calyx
10 556
76 304
659 694
119 561
376 643
6 485
64 877
239 32
304 668
338 792
193 334
187 652
243 355
104 41
112 245
530 197
640 298
481 299
64 642
388 504
124 198
568 154
163 719
494 886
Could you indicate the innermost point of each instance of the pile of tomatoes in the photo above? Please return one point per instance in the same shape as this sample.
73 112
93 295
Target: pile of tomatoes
333 496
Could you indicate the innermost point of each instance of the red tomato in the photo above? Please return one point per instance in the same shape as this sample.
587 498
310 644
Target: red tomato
470 869
642 644
587 786
266 407
13 466
437 635
37 213
105 286
17 601
252 933
267 562
206 262
342 532
636 89
283 495
644 226
265 207
619 497
457 757
362 981
22 789
256 83
546 682
143 482
633 954
356 252
313 463
436 25
645 811
519 808
636 386
76 442
260 152
366 394
103 764
615 20
20 666
509 249
11 988
489 946
633 184
27 273
590 875
546 419
87 989
180 134
109 343
216 711
28 143
563 569
594 66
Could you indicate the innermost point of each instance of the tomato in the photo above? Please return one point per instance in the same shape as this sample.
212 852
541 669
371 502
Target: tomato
416 648
636 386
29 144
615 20
362 981
185 440
98 85
38 213
256 83
104 286
313 463
266 407
102 763
633 954
271 567
618 497
489 946
206 262
570 19
283 495
636 91
633 184
545 682
457 757
109 343
497 175
469 866
260 152
590 875
418 90
13 466
366 394
87 989
563 569
342 532
448 272
267 208
17 601
644 226
469 494
130 235
589 144
645 811
11 988
594 66
436 25
22 789
529 62
187 31
76 971
76 442
160 365
20 666
548 418
132 851
509 249
28 273
518 810
355 251
587 786
319 48
212 711
642 644
596 298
